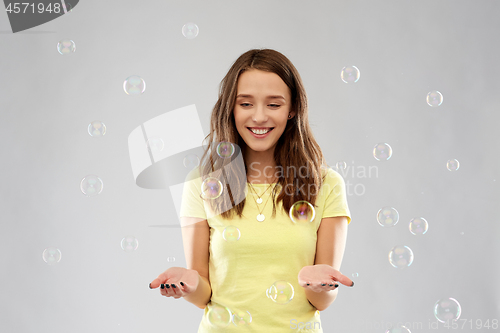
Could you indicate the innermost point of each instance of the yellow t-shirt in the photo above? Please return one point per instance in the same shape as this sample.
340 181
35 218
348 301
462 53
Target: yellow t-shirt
242 271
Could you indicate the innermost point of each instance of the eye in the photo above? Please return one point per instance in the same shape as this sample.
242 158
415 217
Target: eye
272 105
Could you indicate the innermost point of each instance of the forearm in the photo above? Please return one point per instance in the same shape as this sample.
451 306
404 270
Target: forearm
201 296
323 299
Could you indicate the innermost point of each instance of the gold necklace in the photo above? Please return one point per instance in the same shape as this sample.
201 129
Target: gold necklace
261 216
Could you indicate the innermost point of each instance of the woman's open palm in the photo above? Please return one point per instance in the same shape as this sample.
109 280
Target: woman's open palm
322 278
176 282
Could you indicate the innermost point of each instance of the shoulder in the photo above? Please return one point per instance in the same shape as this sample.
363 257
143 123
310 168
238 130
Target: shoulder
193 174
331 176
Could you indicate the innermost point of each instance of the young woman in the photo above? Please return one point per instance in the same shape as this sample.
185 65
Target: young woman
251 268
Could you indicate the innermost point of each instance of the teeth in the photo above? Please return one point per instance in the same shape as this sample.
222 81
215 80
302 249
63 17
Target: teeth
259 131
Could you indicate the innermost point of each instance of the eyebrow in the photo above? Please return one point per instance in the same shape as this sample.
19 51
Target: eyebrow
269 97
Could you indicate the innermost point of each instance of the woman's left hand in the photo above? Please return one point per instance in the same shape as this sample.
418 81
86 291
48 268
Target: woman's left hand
322 278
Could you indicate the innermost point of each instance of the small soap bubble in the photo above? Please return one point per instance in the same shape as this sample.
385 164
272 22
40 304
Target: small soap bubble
225 149
211 188
418 226
68 7
241 318
280 292
66 46
355 275
170 259
91 185
190 30
447 309
350 74
191 161
134 85
155 144
462 233
387 216
97 128
434 98
401 256
302 211
382 151
51 255
341 165
129 244
398 329
231 233
452 165
218 315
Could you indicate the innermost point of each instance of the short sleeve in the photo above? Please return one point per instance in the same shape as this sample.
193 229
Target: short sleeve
192 204
336 198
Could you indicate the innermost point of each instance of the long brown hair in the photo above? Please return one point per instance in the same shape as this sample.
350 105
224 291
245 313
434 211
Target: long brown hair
296 148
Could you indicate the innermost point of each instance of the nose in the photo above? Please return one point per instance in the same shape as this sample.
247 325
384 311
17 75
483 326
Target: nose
259 115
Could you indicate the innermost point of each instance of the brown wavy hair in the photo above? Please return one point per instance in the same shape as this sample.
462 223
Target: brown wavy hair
295 148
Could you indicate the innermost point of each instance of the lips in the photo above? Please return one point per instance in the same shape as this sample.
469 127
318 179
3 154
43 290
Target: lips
269 129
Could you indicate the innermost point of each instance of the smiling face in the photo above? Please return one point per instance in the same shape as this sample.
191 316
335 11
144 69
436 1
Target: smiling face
260 116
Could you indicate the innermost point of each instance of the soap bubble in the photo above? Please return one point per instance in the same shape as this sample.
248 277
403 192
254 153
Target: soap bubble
51 255
241 318
231 233
350 74
191 161
387 217
434 98
280 292
155 144
91 185
452 165
341 165
211 188
382 151
129 244
96 128
66 46
134 85
190 30
225 149
302 211
401 256
418 226
218 315
398 329
447 309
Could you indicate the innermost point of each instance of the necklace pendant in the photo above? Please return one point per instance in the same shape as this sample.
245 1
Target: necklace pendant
259 200
260 217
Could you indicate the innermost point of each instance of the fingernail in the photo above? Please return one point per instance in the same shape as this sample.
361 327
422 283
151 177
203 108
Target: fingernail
150 286
162 286
352 285
173 286
167 285
331 285
336 286
182 284
308 284
323 284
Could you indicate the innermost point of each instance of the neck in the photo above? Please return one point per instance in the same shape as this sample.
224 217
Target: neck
261 166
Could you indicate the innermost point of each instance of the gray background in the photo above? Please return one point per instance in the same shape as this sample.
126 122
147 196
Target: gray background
403 49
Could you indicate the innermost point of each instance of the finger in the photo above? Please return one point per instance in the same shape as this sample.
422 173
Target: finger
157 282
344 280
173 290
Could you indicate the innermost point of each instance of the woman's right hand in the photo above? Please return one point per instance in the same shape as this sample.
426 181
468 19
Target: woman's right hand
176 282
